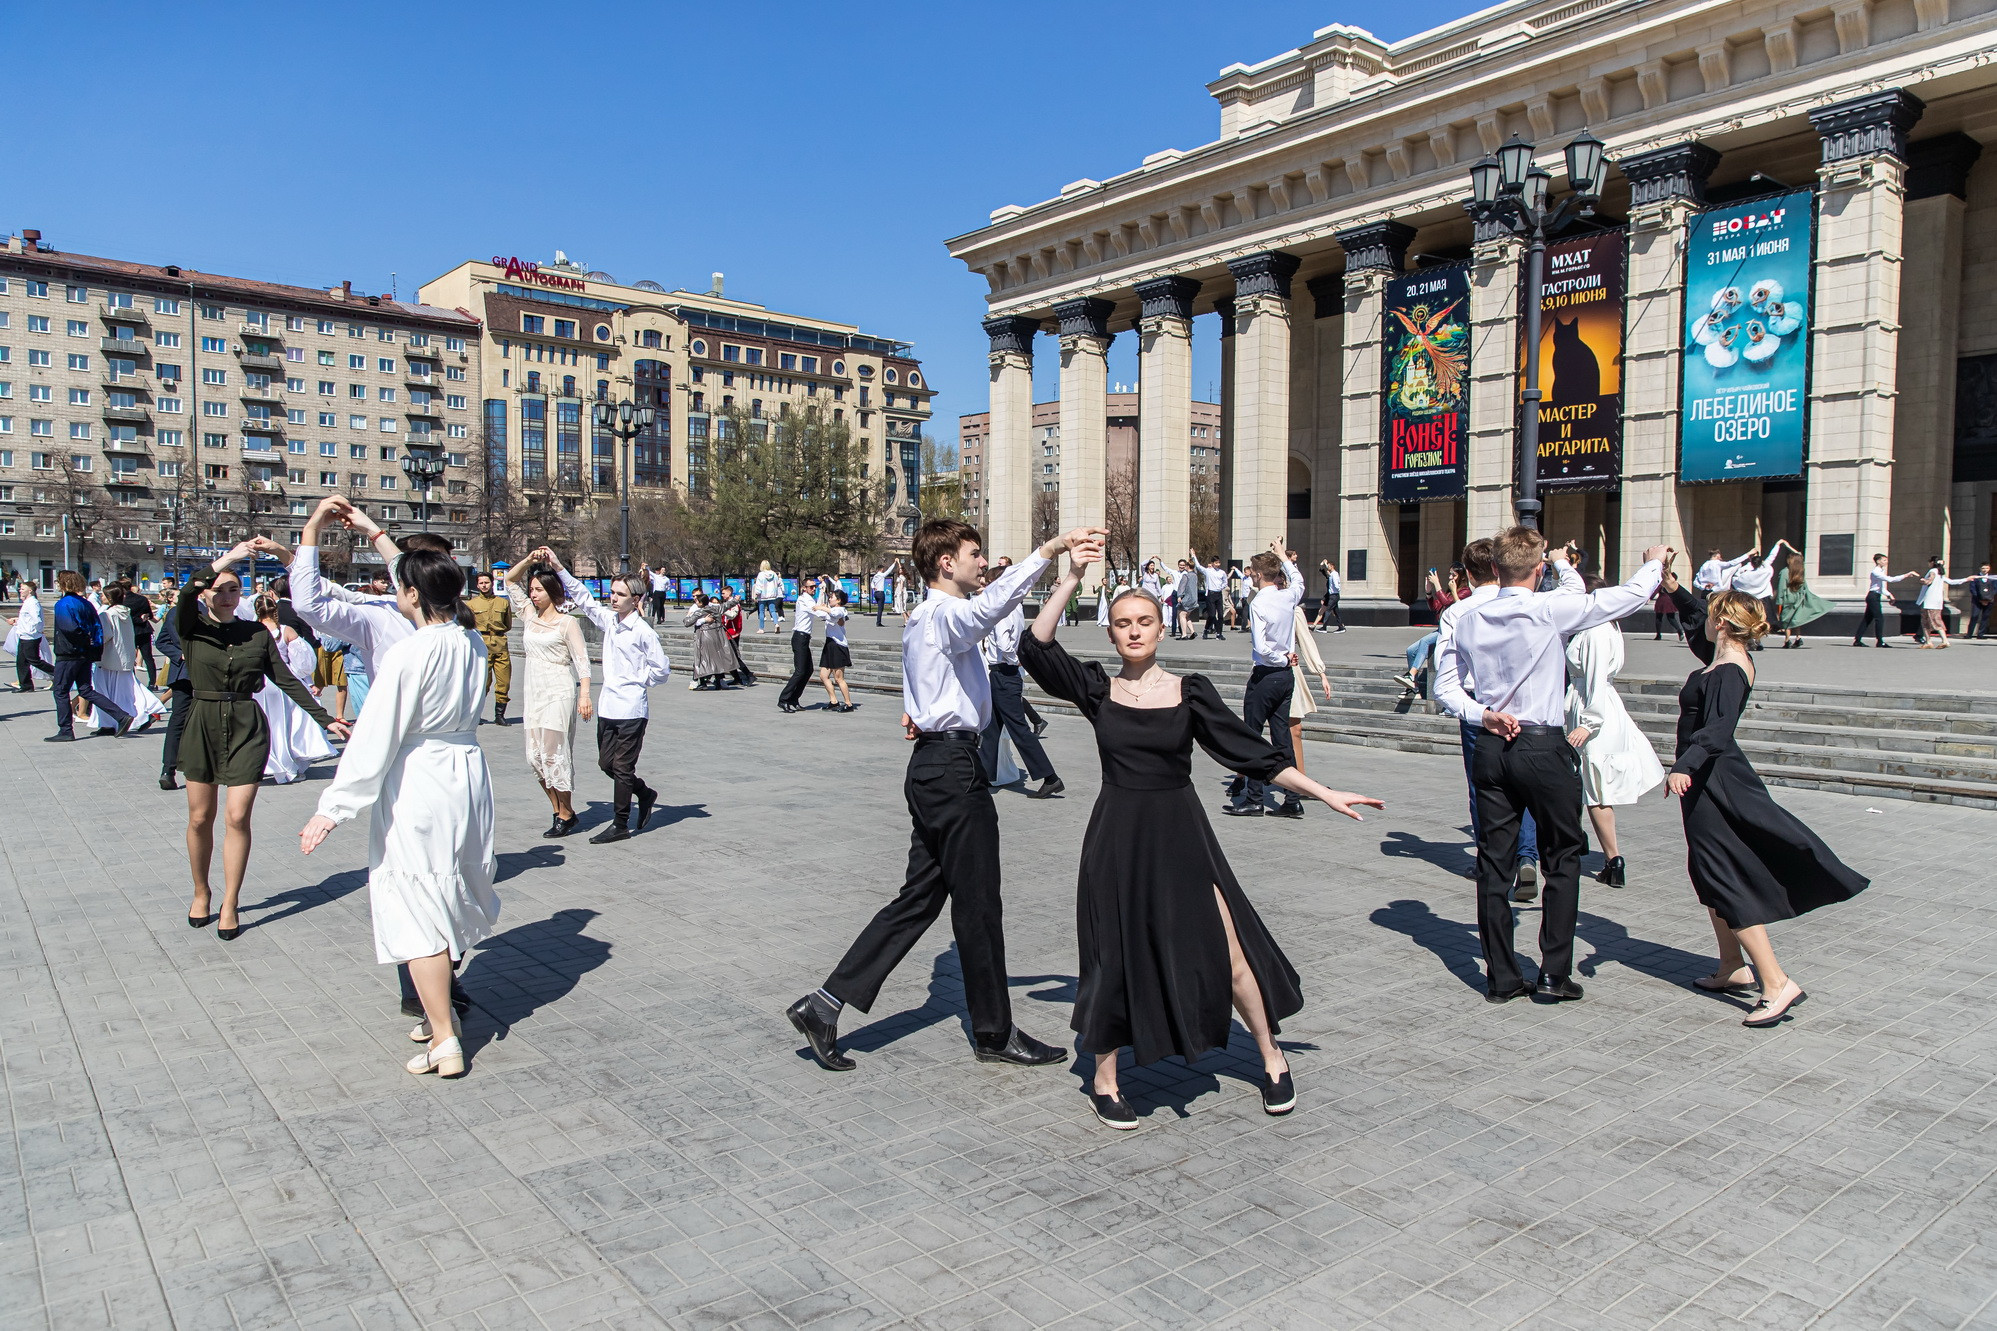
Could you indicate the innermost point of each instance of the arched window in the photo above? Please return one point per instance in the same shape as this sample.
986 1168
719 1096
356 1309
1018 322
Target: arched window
568 385
603 389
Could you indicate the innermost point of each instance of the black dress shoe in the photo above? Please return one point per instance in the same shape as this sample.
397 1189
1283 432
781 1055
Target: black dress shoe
1016 1046
646 799
1242 810
58 739
1612 873
1114 1111
614 832
1288 809
821 1035
1049 788
1507 995
125 725
561 828
1557 988
166 781
1279 1094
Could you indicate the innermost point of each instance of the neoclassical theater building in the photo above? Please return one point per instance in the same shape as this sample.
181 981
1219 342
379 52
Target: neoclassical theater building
1795 293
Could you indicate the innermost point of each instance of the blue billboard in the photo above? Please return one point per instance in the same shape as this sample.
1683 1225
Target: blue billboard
1745 386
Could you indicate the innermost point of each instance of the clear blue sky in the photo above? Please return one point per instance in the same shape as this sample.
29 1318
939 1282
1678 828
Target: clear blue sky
817 154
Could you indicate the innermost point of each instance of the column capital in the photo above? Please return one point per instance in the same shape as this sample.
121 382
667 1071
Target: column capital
1327 295
1869 126
1012 333
1086 316
1264 274
1376 245
1167 296
1940 165
1225 309
1664 174
1487 223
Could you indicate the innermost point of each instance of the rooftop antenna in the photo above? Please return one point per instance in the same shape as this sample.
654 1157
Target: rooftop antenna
392 288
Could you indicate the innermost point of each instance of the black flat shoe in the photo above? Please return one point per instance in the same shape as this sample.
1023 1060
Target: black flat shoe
229 935
1507 995
201 921
58 739
1049 788
821 1035
1279 1094
645 803
1016 1046
1558 989
1612 873
614 832
1114 1111
166 782
563 827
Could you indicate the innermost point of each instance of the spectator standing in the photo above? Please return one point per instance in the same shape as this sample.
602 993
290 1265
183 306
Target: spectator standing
768 591
1982 595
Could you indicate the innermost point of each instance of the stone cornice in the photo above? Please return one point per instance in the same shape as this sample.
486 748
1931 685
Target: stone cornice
1868 126
1167 296
1327 295
1012 333
1085 317
1265 274
1378 245
1940 165
1680 171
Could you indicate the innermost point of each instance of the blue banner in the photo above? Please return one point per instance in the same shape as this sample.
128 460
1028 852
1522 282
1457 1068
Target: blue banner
1746 379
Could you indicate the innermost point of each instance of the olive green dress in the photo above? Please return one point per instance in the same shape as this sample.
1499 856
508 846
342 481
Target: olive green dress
227 741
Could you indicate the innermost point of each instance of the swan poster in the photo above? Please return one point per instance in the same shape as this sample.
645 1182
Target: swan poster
1581 364
1425 362
1746 380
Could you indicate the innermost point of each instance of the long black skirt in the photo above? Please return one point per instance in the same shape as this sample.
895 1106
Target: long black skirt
1751 860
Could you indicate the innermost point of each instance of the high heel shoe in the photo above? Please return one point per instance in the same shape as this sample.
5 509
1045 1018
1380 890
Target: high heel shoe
201 921
1612 873
446 1059
230 935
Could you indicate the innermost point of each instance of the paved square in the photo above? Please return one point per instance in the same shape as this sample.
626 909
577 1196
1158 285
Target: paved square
213 1135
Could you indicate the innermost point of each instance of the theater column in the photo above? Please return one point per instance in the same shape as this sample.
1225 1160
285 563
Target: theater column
1259 493
1666 187
1224 482
1165 416
1369 532
1855 337
1085 339
1494 366
1009 447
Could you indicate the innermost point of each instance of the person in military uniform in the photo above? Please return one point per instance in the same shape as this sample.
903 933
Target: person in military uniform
492 616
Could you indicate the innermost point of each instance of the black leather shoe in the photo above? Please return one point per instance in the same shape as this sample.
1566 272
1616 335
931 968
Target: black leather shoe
125 725
1507 995
1288 809
1015 1047
822 1036
646 799
58 739
1526 886
613 832
1114 1111
1049 788
1612 873
1242 810
561 828
1556 988
166 781
1279 1094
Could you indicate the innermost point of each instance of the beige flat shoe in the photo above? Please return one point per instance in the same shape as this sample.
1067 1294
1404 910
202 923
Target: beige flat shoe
1727 984
446 1059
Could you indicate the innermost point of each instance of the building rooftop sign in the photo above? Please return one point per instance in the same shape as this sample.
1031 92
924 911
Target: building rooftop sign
525 270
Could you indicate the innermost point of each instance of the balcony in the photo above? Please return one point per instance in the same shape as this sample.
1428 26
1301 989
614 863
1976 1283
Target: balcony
426 382
267 393
128 415
125 346
124 314
128 383
426 410
251 360
272 428
424 353
138 445
260 332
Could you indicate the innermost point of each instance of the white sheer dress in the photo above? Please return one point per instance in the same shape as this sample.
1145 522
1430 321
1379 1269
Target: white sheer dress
296 741
555 659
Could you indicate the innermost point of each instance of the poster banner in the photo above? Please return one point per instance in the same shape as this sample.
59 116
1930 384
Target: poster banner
1580 364
1425 363
1747 341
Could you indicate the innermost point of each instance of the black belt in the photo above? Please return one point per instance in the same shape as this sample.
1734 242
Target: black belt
948 737
1542 730
207 695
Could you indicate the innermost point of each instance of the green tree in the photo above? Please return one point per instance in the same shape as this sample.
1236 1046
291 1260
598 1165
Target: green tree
788 490
942 492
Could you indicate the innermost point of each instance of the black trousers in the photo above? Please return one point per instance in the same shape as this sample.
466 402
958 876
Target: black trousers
143 644
658 600
880 607
1538 772
1211 609
617 746
1979 621
26 662
953 856
800 669
1677 627
1009 715
1267 703
76 675
182 698
1875 615
1330 607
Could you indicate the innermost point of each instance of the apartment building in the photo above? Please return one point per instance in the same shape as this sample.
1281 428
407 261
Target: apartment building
1122 424
152 415
559 336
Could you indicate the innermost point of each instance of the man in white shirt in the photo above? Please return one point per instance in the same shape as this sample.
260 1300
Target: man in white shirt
1213 587
658 585
1330 604
800 646
877 587
953 852
1716 574
28 638
1272 622
1512 650
1001 652
1875 601
633 661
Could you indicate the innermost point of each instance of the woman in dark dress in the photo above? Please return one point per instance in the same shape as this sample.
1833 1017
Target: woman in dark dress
226 741
1166 936
1752 861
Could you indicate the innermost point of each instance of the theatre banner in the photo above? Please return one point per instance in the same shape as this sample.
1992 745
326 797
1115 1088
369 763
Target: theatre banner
1425 363
1746 340
1580 364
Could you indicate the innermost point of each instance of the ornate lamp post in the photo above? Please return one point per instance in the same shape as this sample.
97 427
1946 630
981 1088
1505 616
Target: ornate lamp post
624 419
1510 190
423 469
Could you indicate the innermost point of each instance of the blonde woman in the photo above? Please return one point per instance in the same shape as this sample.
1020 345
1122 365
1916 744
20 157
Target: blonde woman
556 662
1752 862
1304 653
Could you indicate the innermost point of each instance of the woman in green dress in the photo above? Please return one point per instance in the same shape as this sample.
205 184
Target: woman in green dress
227 659
1796 604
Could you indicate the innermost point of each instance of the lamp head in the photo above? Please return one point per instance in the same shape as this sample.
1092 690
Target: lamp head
625 411
602 413
1485 178
1537 182
1514 159
1584 165
646 415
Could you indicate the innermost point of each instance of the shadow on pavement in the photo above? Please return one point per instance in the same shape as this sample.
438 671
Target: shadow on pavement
1454 942
1442 854
1612 942
514 974
298 900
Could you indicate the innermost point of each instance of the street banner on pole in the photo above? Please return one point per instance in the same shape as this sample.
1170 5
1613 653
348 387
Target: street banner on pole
1425 363
1580 364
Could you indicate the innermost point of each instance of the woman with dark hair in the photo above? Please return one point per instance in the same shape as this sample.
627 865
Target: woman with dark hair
834 657
145 622
1752 862
227 741
1794 602
556 662
415 761
1167 937
1934 602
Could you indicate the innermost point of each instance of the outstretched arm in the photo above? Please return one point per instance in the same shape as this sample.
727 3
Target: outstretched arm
1056 604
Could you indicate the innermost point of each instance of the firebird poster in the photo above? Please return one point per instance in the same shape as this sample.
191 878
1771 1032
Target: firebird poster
1746 380
1425 362
1580 364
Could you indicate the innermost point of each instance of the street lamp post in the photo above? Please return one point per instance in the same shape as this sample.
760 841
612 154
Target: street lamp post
625 420
423 469
1510 190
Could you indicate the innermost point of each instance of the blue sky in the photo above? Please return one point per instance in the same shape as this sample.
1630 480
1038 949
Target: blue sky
817 154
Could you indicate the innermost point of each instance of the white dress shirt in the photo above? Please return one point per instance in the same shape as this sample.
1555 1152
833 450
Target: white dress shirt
1512 646
944 682
807 610
1450 690
1715 574
29 621
1879 580
1270 618
633 660
373 624
1001 645
659 581
1214 579
1331 582
1758 582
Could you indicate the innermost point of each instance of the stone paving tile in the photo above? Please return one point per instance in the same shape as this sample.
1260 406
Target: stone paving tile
204 1134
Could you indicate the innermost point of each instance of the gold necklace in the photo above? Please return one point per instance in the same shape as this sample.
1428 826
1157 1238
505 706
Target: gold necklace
1151 677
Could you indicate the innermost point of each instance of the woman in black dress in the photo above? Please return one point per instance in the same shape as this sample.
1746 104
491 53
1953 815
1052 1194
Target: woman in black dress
1167 938
1752 861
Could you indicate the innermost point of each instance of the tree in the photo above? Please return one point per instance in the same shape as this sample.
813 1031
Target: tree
1120 516
498 513
1205 515
942 492
1046 515
81 504
788 490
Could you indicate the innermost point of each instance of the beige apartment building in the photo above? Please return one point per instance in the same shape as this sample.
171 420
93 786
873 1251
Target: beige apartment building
559 336
155 415
1336 187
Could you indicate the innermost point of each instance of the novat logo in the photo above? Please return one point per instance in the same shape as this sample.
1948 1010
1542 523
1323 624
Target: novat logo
523 270
1731 226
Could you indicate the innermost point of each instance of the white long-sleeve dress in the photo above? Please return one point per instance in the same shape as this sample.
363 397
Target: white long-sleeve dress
296 741
116 673
555 659
414 759
1618 765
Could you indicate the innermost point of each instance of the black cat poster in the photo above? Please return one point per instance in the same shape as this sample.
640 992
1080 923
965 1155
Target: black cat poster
1580 364
1426 368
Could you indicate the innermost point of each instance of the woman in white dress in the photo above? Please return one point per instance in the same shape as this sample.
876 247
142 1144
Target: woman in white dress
296 741
555 661
1617 762
414 759
116 673
1934 598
